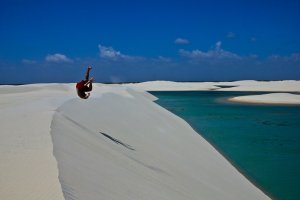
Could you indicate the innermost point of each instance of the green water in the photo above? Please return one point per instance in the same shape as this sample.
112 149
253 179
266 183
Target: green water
262 141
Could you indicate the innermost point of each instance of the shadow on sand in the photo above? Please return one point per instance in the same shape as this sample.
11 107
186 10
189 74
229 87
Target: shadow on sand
117 141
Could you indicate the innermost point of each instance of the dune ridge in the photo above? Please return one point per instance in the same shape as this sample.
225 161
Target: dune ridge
121 145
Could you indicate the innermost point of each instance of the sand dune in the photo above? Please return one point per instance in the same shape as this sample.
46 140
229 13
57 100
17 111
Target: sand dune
173 86
271 98
145 152
247 85
28 169
116 145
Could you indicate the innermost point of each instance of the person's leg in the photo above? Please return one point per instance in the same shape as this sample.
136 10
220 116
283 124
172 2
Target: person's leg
87 74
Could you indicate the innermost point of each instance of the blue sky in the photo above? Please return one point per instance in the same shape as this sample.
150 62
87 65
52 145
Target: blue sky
125 41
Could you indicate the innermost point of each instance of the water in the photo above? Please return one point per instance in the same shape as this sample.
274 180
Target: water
262 141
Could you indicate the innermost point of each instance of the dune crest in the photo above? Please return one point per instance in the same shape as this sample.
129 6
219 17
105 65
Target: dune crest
121 146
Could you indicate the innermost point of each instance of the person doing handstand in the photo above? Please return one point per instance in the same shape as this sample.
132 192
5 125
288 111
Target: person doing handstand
85 86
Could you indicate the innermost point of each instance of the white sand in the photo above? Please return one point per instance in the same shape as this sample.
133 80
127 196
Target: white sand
169 161
28 169
248 85
173 86
269 86
272 98
165 158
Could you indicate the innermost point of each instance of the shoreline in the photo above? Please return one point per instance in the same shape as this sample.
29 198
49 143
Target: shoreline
240 170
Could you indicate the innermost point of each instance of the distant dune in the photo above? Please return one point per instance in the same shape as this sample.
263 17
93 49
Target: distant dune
271 98
247 85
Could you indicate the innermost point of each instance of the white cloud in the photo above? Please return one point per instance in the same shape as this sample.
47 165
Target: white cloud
112 54
30 62
58 58
164 59
231 35
218 46
216 53
181 41
295 57
109 52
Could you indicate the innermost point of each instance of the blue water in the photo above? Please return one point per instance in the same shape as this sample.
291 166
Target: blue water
262 141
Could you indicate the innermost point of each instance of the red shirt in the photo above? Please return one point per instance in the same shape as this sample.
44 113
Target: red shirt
80 85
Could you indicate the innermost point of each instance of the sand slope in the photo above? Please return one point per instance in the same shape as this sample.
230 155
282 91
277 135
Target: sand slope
145 152
28 169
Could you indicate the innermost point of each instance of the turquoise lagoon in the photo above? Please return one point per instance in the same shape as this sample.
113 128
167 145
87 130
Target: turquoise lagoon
261 141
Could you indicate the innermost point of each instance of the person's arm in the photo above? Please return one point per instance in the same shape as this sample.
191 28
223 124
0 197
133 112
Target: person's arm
89 81
86 84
